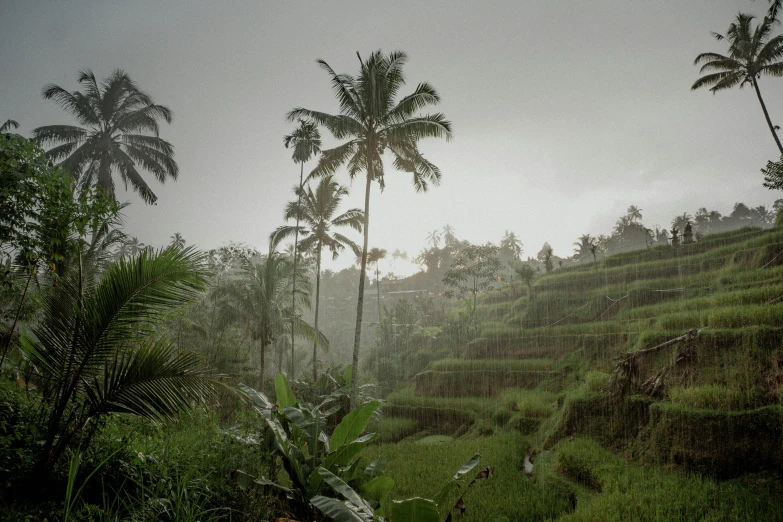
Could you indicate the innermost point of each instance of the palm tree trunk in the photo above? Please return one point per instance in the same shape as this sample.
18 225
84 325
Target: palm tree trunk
362 274
296 258
766 115
263 364
475 295
378 289
317 298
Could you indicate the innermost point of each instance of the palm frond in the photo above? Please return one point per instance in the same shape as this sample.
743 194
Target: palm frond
153 381
59 133
133 294
427 126
715 78
340 125
332 159
344 89
77 104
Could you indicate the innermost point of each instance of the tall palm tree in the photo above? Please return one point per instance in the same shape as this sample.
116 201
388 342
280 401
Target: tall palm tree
753 51
399 254
259 302
374 123
433 238
305 140
317 211
134 246
8 125
119 132
374 256
448 234
177 241
512 243
634 213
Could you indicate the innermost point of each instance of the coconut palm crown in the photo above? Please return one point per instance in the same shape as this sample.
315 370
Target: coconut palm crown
753 52
374 122
118 134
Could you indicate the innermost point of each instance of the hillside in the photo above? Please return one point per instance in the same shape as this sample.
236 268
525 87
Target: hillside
587 352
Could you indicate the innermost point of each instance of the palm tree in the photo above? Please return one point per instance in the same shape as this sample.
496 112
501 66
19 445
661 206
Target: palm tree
117 120
373 122
448 234
751 53
511 243
134 246
259 302
374 256
317 211
634 213
8 125
680 221
177 241
97 350
306 142
586 244
433 238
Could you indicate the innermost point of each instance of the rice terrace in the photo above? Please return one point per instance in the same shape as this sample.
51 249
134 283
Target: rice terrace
280 261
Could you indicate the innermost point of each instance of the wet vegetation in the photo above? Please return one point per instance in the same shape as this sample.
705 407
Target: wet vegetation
638 378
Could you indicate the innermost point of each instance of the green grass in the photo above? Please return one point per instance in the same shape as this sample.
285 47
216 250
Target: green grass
434 439
741 297
725 317
530 403
392 429
633 492
420 470
467 365
480 406
711 396
596 381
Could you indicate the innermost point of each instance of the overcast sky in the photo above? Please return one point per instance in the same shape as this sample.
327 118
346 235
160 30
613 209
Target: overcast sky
564 113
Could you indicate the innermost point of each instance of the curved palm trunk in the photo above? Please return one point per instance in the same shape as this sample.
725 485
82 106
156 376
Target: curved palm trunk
296 258
363 272
766 115
317 298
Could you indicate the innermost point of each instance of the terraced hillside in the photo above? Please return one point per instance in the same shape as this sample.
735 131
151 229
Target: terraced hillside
674 356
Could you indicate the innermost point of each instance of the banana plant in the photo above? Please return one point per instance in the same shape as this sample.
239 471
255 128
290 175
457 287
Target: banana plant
322 468
327 472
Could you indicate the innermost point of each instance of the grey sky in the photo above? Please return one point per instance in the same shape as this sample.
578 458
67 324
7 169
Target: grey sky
565 113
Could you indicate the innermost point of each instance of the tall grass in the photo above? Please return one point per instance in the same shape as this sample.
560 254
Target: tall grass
489 365
725 317
480 406
420 470
711 396
530 403
653 494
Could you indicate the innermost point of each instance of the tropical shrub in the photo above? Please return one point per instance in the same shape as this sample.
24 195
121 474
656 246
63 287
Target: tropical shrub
329 475
95 350
322 469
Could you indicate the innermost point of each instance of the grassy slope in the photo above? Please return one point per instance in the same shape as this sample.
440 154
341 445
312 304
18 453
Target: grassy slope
576 321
